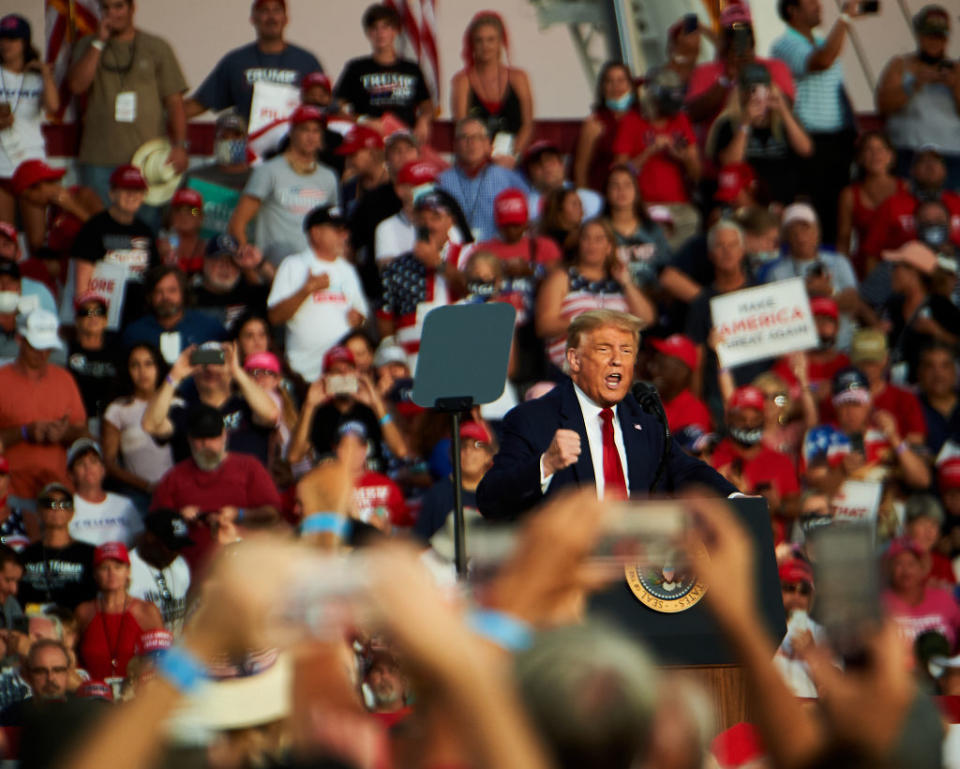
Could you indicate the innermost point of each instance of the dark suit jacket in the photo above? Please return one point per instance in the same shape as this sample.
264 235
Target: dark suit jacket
512 485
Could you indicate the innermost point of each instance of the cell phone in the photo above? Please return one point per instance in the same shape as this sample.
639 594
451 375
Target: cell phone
21 624
818 270
423 234
741 39
856 443
342 384
207 356
690 23
869 7
848 586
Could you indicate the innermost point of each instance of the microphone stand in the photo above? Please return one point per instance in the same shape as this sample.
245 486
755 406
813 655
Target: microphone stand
650 402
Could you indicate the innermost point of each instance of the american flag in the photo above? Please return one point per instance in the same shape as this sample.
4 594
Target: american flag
66 22
419 38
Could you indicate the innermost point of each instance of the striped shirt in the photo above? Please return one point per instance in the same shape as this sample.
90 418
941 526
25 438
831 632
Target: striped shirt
582 297
820 104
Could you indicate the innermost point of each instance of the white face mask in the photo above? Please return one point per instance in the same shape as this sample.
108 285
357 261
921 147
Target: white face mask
9 301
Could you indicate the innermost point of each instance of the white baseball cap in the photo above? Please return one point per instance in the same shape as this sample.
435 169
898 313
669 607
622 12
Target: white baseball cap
39 328
799 212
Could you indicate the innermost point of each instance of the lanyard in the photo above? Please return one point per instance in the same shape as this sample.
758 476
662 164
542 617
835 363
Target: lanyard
476 198
113 647
3 85
121 70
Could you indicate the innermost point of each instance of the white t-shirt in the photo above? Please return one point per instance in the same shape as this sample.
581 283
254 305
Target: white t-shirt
321 320
147 583
140 453
395 235
24 139
113 520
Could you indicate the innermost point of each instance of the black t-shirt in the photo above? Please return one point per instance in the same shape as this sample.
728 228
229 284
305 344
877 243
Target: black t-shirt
96 373
63 576
769 155
244 436
905 341
372 89
104 239
229 306
372 208
327 420
437 505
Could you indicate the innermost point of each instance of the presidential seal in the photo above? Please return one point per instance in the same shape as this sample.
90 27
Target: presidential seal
669 588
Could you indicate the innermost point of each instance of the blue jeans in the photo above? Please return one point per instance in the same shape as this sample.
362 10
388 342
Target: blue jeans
98 179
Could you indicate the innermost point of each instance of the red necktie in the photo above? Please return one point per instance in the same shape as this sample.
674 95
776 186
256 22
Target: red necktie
614 485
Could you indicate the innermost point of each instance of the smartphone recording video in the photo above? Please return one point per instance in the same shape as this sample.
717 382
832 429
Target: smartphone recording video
342 384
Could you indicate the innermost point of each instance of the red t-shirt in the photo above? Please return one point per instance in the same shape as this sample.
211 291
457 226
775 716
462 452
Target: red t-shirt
894 222
941 570
544 251
768 466
240 481
662 177
686 409
373 491
903 404
819 373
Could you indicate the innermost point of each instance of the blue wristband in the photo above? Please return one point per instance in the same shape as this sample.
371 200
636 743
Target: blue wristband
386 419
241 512
505 631
321 523
181 669
24 434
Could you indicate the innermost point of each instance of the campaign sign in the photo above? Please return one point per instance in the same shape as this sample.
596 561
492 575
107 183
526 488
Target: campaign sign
109 279
857 500
271 106
763 322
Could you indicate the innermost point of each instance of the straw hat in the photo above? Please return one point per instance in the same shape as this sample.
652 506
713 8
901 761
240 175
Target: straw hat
162 179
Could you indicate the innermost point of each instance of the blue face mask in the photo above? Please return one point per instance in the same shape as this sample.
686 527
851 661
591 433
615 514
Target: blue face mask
229 152
933 235
618 105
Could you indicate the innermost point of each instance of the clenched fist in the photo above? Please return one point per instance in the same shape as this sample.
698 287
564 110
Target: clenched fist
563 451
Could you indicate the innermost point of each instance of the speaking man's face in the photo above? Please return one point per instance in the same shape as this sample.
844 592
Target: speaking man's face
602 364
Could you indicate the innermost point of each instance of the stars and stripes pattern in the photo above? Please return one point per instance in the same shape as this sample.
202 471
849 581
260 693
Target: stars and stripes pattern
419 38
66 22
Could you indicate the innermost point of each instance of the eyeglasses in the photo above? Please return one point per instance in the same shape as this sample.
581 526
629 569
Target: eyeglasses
477 445
192 211
262 372
57 504
93 312
57 671
797 587
472 137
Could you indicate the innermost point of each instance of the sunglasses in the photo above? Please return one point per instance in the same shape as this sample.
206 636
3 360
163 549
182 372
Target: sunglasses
262 372
93 312
797 587
192 211
165 595
57 504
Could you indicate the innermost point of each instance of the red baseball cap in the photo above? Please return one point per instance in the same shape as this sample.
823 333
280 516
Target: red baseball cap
153 641
313 79
90 296
31 172
417 172
748 397
95 690
4 465
795 570
8 231
538 148
360 137
338 354
734 179
824 305
948 474
902 545
510 207
187 197
474 431
264 360
127 178
677 346
111 551
307 112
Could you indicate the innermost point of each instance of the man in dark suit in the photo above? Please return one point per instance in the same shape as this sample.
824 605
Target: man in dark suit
588 431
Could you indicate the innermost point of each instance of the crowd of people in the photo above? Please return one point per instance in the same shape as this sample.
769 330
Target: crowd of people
233 360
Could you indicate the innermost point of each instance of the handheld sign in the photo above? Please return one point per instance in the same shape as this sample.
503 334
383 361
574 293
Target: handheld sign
763 322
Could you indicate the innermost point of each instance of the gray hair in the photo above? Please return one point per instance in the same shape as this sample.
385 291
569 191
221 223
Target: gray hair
720 226
466 121
591 692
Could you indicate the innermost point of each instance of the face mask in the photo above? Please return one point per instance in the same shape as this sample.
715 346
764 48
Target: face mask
477 288
826 342
618 105
934 235
926 58
9 301
230 152
669 102
763 257
747 437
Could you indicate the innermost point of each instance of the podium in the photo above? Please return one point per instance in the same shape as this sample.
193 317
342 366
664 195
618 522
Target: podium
690 640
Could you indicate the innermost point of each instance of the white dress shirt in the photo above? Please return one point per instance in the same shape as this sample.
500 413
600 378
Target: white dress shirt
591 420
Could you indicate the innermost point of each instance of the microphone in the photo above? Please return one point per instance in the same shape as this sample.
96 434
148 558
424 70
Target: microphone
650 402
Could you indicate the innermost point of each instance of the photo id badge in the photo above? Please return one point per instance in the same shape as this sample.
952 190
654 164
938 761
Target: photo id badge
126 107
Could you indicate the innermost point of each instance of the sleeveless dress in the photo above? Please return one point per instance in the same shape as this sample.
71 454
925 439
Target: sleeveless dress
108 639
504 116
583 296
862 220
